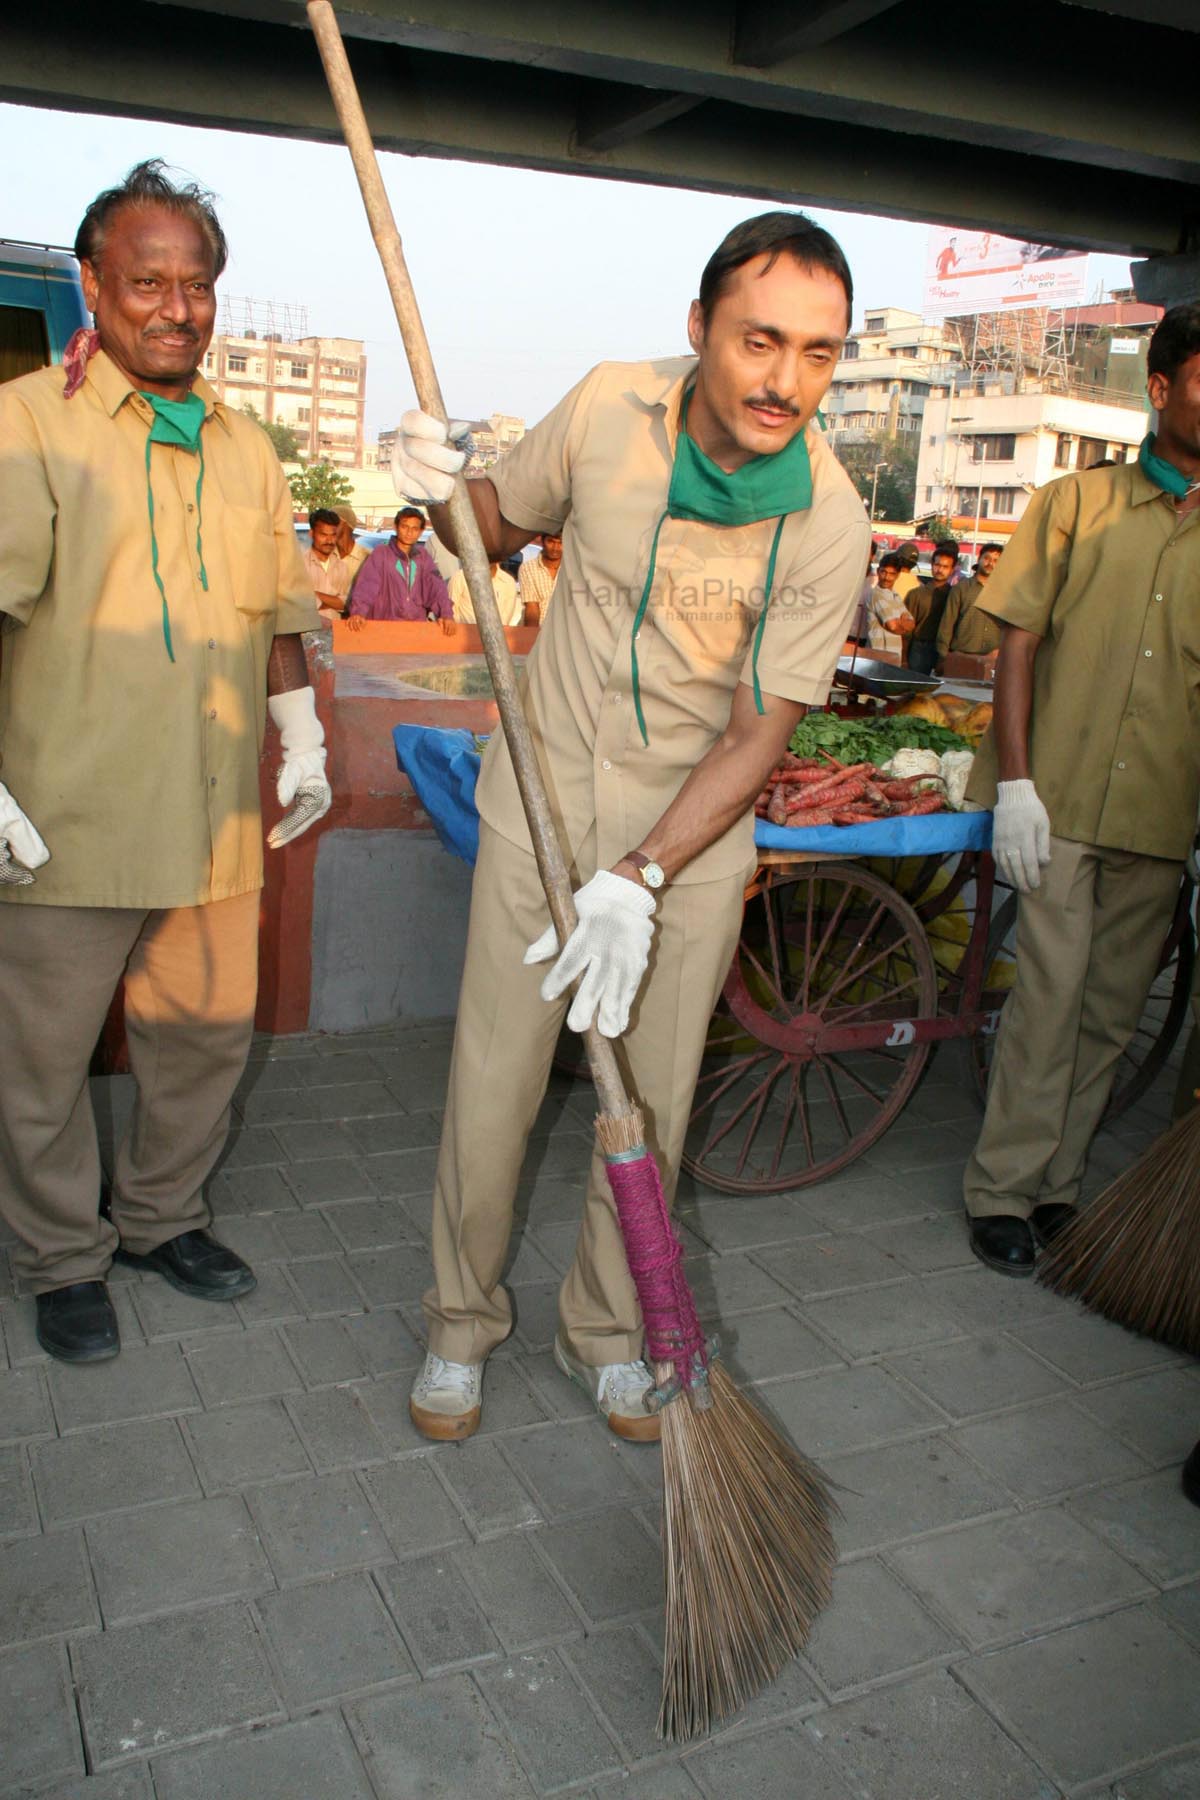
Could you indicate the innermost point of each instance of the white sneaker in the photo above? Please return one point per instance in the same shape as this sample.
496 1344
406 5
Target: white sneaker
445 1398
619 1390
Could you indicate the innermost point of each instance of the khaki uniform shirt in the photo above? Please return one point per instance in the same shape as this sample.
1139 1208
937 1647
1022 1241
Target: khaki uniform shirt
1105 572
967 626
905 582
598 470
140 773
536 583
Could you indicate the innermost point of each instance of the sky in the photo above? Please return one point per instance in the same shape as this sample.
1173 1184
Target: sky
524 279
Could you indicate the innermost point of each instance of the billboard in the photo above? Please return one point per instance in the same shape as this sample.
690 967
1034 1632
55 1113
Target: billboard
977 271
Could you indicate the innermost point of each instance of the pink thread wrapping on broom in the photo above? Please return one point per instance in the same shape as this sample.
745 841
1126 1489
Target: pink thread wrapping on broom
655 1257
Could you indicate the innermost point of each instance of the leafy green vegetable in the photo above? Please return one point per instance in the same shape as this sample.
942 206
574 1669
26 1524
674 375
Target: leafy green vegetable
870 740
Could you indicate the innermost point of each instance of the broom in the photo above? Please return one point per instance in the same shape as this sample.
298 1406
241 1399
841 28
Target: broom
747 1543
1134 1255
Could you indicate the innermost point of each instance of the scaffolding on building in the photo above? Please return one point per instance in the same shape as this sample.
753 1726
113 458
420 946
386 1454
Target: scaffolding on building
286 321
1030 346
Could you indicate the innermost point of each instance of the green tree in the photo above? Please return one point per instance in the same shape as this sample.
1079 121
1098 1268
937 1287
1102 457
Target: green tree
319 484
287 444
896 488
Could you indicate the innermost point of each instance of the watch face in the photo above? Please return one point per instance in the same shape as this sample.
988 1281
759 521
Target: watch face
653 876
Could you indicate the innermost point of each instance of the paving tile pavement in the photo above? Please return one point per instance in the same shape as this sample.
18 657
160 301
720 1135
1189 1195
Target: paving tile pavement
229 1566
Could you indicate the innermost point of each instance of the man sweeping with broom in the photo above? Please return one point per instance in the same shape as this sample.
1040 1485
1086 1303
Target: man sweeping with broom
1096 750
713 552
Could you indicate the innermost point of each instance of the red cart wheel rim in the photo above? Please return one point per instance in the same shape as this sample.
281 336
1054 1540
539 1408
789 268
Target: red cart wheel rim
825 950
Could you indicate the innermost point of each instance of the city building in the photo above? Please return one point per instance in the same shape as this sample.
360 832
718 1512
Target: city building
885 375
317 385
1040 391
986 445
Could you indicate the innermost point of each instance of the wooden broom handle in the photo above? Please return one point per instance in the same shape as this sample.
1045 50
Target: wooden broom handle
474 558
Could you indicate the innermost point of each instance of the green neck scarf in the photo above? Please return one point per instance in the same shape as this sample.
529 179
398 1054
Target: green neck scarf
1162 473
176 422
767 487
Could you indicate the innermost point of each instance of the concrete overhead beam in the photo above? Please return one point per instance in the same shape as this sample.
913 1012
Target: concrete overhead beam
1167 280
1056 80
428 105
610 115
767 33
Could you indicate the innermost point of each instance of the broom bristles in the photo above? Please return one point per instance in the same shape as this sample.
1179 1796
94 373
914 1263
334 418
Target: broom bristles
747 1547
749 1556
1134 1254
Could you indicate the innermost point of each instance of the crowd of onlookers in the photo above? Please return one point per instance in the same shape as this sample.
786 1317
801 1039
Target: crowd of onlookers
922 620
411 578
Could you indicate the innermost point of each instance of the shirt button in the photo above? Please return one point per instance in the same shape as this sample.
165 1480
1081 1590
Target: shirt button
606 765
616 699
212 712
1149 653
212 643
191 508
212 781
1158 597
1120 765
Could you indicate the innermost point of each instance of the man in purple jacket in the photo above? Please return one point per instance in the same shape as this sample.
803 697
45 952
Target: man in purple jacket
399 580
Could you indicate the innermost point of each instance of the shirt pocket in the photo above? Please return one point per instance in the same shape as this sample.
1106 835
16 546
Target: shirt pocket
249 534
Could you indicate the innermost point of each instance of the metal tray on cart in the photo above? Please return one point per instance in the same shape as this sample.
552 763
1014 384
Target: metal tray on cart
886 681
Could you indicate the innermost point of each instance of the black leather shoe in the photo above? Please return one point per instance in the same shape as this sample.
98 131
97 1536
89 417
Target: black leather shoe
1047 1221
77 1323
196 1264
1191 1477
1004 1243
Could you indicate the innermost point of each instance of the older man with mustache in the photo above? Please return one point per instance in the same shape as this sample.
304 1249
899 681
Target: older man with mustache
151 597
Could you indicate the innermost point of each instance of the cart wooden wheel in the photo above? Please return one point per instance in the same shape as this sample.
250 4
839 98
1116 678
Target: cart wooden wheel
816 1044
1167 1004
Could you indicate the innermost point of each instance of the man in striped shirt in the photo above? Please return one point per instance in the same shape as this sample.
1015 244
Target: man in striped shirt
535 584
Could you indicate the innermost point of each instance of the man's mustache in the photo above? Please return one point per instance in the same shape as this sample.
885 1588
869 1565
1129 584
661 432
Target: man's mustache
775 403
187 331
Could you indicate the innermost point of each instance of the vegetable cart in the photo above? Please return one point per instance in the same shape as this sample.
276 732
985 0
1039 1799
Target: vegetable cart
862 949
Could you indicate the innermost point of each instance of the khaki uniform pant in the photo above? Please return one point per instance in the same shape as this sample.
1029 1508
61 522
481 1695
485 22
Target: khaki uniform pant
1088 943
503 1047
191 976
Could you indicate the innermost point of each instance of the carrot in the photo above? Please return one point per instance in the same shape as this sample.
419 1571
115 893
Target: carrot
810 816
839 793
777 807
924 803
799 777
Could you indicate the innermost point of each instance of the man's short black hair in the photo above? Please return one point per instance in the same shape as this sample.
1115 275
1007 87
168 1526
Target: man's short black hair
409 512
984 548
947 547
147 185
323 516
1176 338
774 234
890 562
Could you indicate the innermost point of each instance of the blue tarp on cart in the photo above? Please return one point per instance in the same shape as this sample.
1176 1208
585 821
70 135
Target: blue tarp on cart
443 767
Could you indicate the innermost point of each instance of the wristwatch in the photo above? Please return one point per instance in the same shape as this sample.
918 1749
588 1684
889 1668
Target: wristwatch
650 872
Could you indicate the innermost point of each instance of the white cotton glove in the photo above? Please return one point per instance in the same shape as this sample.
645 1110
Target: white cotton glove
21 847
423 465
1020 835
610 946
300 784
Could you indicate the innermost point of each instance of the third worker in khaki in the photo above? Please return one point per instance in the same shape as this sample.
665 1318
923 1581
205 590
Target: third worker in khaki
1093 764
